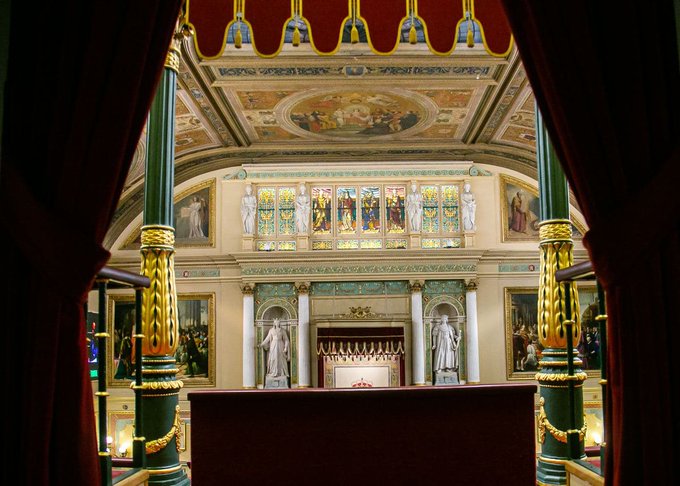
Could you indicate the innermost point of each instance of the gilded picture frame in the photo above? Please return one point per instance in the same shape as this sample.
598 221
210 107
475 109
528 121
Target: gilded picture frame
521 331
520 212
196 320
193 218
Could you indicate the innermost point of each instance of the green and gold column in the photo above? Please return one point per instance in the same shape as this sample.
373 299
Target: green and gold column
160 394
561 431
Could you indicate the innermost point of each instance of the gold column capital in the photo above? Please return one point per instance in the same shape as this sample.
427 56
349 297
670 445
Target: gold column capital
415 286
248 288
302 287
471 285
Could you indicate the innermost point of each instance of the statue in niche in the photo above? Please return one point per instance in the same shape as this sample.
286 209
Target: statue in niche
302 209
277 346
248 211
445 340
414 208
469 204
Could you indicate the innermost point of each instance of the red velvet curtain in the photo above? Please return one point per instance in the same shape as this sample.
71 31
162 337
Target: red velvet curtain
80 79
606 78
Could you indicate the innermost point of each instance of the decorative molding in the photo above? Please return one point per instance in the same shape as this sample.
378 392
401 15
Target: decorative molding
268 270
474 72
397 287
308 174
518 267
443 287
198 273
269 290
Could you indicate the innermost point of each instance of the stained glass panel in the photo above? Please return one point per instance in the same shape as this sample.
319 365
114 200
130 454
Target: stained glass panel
286 210
321 210
395 244
430 243
394 202
266 205
450 212
371 244
286 246
370 210
347 210
348 244
266 245
430 209
451 242
322 245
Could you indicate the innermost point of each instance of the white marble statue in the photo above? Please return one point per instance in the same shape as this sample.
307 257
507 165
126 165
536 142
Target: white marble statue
278 346
302 209
445 342
414 208
248 211
469 206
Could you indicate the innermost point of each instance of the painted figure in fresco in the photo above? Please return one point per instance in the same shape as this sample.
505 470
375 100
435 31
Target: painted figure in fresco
197 217
395 217
414 208
519 209
124 369
370 216
531 360
278 346
445 342
322 212
193 355
302 208
248 211
469 208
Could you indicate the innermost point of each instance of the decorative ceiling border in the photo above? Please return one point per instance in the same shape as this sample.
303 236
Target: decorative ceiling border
330 174
475 72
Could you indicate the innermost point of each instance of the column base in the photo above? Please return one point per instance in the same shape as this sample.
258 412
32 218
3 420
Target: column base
175 478
550 472
414 241
469 239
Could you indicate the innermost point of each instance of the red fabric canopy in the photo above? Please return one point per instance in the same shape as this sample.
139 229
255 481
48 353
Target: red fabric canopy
326 19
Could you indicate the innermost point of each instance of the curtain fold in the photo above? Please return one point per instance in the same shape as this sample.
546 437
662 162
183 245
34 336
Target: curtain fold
607 82
80 79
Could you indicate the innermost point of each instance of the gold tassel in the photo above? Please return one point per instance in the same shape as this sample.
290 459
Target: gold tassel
296 37
238 39
470 36
354 35
412 37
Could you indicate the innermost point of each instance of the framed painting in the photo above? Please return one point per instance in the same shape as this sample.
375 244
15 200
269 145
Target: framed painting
520 212
589 345
194 219
522 347
195 353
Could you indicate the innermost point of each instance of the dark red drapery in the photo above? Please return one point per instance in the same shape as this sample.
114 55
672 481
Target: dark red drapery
606 78
80 79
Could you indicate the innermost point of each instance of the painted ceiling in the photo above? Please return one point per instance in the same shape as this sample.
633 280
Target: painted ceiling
353 106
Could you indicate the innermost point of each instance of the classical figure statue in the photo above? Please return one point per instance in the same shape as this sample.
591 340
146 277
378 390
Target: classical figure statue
445 342
278 346
469 207
414 208
302 209
248 211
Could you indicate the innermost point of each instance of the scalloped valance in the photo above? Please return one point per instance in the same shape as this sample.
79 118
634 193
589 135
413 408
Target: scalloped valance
325 22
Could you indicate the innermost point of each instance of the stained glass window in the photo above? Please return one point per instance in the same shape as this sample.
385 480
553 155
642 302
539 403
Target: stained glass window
370 210
430 209
394 202
286 211
347 210
450 212
266 206
321 210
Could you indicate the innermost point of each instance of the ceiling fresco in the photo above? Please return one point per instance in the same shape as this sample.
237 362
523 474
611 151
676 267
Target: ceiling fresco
353 106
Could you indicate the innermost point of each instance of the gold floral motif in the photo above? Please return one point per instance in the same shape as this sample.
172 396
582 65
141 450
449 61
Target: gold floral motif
175 431
360 313
159 385
157 235
580 376
559 435
556 229
557 253
159 303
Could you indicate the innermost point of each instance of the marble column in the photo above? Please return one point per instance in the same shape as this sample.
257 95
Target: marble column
417 333
248 335
304 357
472 342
